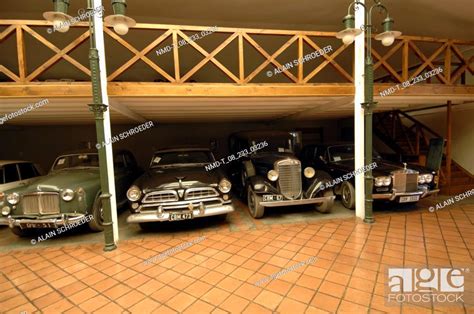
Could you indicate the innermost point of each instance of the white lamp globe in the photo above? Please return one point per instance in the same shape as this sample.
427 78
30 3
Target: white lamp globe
121 28
388 40
348 39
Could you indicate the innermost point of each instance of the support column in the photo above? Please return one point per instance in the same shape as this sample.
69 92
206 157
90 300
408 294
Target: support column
359 160
449 135
99 43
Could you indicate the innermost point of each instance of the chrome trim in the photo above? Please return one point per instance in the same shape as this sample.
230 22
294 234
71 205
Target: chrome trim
315 200
191 190
395 194
197 213
157 193
184 204
405 180
289 177
57 221
40 205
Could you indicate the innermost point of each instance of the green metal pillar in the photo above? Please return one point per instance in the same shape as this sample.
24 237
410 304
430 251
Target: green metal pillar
98 108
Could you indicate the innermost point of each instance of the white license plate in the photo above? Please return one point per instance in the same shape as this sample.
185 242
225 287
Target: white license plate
24 225
408 199
180 216
272 198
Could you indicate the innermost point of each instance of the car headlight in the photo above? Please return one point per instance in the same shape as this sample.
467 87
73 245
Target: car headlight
224 186
67 195
134 193
425 178
382 181
13 198
5 210
309 172
272 175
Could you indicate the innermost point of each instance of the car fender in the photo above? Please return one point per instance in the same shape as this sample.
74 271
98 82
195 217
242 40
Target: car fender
257 183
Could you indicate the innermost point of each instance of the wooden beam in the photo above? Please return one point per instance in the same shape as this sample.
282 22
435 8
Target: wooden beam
150 89
20 49
241 59
447 63
300 57
405 60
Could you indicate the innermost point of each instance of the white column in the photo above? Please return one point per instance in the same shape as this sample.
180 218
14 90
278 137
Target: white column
359 57
99 43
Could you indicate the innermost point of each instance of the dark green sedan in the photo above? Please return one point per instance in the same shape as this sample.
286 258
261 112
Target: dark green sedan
68 194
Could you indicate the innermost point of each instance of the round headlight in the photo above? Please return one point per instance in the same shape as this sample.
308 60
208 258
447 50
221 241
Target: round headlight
67 195
272 175
5 210
13 198
224 186
378 181
134 193
421 179
428 178
309 172
387 181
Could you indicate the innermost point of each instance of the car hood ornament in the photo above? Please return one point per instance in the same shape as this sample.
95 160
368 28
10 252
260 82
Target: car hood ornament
180 180
404 166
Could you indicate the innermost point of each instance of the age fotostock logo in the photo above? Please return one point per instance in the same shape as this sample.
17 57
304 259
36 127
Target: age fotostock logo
426 284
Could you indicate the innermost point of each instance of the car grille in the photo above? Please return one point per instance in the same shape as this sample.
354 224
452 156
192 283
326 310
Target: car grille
289 180
41 203
404 181
160 196
196 193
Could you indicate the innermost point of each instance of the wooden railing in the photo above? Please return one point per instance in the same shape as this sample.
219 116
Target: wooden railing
410 52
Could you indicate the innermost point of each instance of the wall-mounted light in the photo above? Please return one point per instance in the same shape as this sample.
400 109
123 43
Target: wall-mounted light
119 21
59 16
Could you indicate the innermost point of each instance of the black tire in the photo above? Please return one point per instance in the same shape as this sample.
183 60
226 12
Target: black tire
348 195
253 200
327 205
21 232
97 224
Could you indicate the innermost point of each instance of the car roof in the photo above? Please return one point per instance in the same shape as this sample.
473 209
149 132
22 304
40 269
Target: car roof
260 134
182 149
9 162
89 151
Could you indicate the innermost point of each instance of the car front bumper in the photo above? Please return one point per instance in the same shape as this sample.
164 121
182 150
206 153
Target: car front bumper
316 200
392 196
55 221
204 211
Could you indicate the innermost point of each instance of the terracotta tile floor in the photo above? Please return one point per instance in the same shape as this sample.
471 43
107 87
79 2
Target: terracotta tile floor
218 274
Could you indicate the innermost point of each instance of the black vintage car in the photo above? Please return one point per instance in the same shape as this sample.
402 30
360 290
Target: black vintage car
177 186
267 173
393 181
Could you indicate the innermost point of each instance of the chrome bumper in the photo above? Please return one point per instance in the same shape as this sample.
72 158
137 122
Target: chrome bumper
151 216
315 200
3 221
57 221
395 194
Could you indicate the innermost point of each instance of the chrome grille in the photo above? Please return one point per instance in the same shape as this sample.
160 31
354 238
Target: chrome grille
161 196
289 179
196 193
405 181
41 203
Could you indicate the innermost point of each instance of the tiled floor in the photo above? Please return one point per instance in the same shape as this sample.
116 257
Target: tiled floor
218 274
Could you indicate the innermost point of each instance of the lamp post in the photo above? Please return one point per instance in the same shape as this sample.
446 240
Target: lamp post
387 38
99 107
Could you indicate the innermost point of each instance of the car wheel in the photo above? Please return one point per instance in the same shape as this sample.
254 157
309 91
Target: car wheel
21 232
97 224
253 201
348 195
327 205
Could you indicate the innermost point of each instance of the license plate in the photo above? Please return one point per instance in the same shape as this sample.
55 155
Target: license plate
180 216
272 198
27 225
408 199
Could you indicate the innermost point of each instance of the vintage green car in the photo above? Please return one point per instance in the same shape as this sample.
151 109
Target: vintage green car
70 192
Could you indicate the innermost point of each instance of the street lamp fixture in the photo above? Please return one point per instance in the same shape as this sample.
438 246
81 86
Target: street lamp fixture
387 38
59 16
119 21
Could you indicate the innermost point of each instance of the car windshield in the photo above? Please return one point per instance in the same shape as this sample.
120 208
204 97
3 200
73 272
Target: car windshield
76 161
178 159
275 144
344 152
